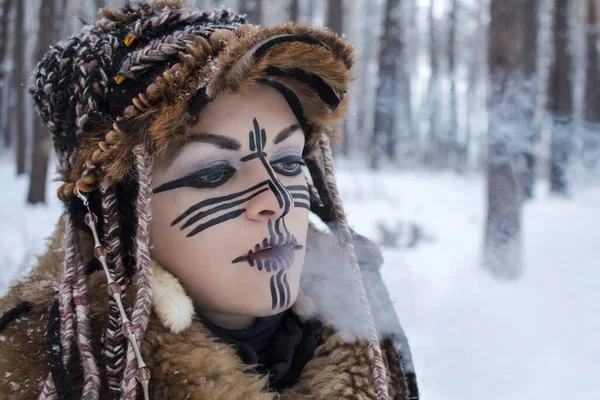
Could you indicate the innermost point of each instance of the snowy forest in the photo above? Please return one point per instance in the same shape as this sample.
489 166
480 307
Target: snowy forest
471 154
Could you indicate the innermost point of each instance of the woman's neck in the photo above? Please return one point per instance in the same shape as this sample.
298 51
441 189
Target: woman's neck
227 321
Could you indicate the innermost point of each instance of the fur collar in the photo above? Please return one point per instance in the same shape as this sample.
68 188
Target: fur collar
185 359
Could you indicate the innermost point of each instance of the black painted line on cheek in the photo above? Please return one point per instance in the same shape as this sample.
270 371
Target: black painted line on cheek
280 288
273 188
216 221
301 205
268 265
259 264
300 196
273 293
263 137
215 200
222 207
287 288
297 187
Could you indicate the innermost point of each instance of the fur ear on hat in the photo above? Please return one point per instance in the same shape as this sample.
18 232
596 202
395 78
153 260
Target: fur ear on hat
173 306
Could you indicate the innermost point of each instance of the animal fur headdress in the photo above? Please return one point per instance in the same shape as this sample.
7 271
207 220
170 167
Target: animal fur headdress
114 96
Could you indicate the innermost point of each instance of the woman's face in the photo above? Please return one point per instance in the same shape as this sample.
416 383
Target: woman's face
230 206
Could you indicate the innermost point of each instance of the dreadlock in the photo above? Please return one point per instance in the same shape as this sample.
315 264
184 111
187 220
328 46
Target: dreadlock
101 94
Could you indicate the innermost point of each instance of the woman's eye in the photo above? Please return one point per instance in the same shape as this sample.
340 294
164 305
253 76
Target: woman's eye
213 176
288 165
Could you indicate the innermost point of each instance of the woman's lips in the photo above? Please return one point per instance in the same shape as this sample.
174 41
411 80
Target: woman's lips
271 257
272 252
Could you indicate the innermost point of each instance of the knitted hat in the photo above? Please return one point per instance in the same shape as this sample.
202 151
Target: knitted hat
114 96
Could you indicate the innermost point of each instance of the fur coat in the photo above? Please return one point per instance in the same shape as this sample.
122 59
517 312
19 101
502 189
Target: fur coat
185 360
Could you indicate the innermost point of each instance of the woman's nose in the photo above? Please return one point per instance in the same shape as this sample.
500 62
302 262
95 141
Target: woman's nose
267 205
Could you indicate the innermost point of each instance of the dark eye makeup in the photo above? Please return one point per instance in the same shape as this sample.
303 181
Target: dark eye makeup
213 176
217 175
204 178
288 165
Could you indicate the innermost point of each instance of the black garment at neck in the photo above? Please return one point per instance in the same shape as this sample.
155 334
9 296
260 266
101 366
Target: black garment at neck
254 339
279 345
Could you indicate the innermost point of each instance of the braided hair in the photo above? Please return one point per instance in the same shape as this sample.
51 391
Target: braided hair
103 94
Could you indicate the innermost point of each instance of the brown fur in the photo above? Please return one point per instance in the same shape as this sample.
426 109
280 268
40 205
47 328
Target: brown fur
190 364
168 119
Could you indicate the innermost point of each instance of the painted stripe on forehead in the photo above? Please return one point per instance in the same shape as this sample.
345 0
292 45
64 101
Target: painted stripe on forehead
216 200
252 142
222 207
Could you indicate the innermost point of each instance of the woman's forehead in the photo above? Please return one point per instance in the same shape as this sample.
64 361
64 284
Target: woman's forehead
233 114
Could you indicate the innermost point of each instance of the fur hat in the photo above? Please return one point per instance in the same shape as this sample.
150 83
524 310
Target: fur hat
114 96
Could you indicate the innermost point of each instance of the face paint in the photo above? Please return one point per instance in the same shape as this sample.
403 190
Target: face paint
301 196
275 253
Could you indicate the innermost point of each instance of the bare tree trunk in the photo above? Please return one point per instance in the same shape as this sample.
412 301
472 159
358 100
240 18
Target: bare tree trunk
532 132
252 9
433 93
560 99
41 138
369 35
390 61
452 136
335 18
502 251
294 10
591 111
4 37
472 83
19 88
413 47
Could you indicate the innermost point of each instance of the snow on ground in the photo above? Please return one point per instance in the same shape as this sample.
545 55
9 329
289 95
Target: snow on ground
472 337
23 228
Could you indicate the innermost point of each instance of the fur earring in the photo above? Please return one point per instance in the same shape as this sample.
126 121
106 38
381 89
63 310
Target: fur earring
173 306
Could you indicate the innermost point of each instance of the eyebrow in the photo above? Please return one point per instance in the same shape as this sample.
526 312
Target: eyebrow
286 133
221 141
